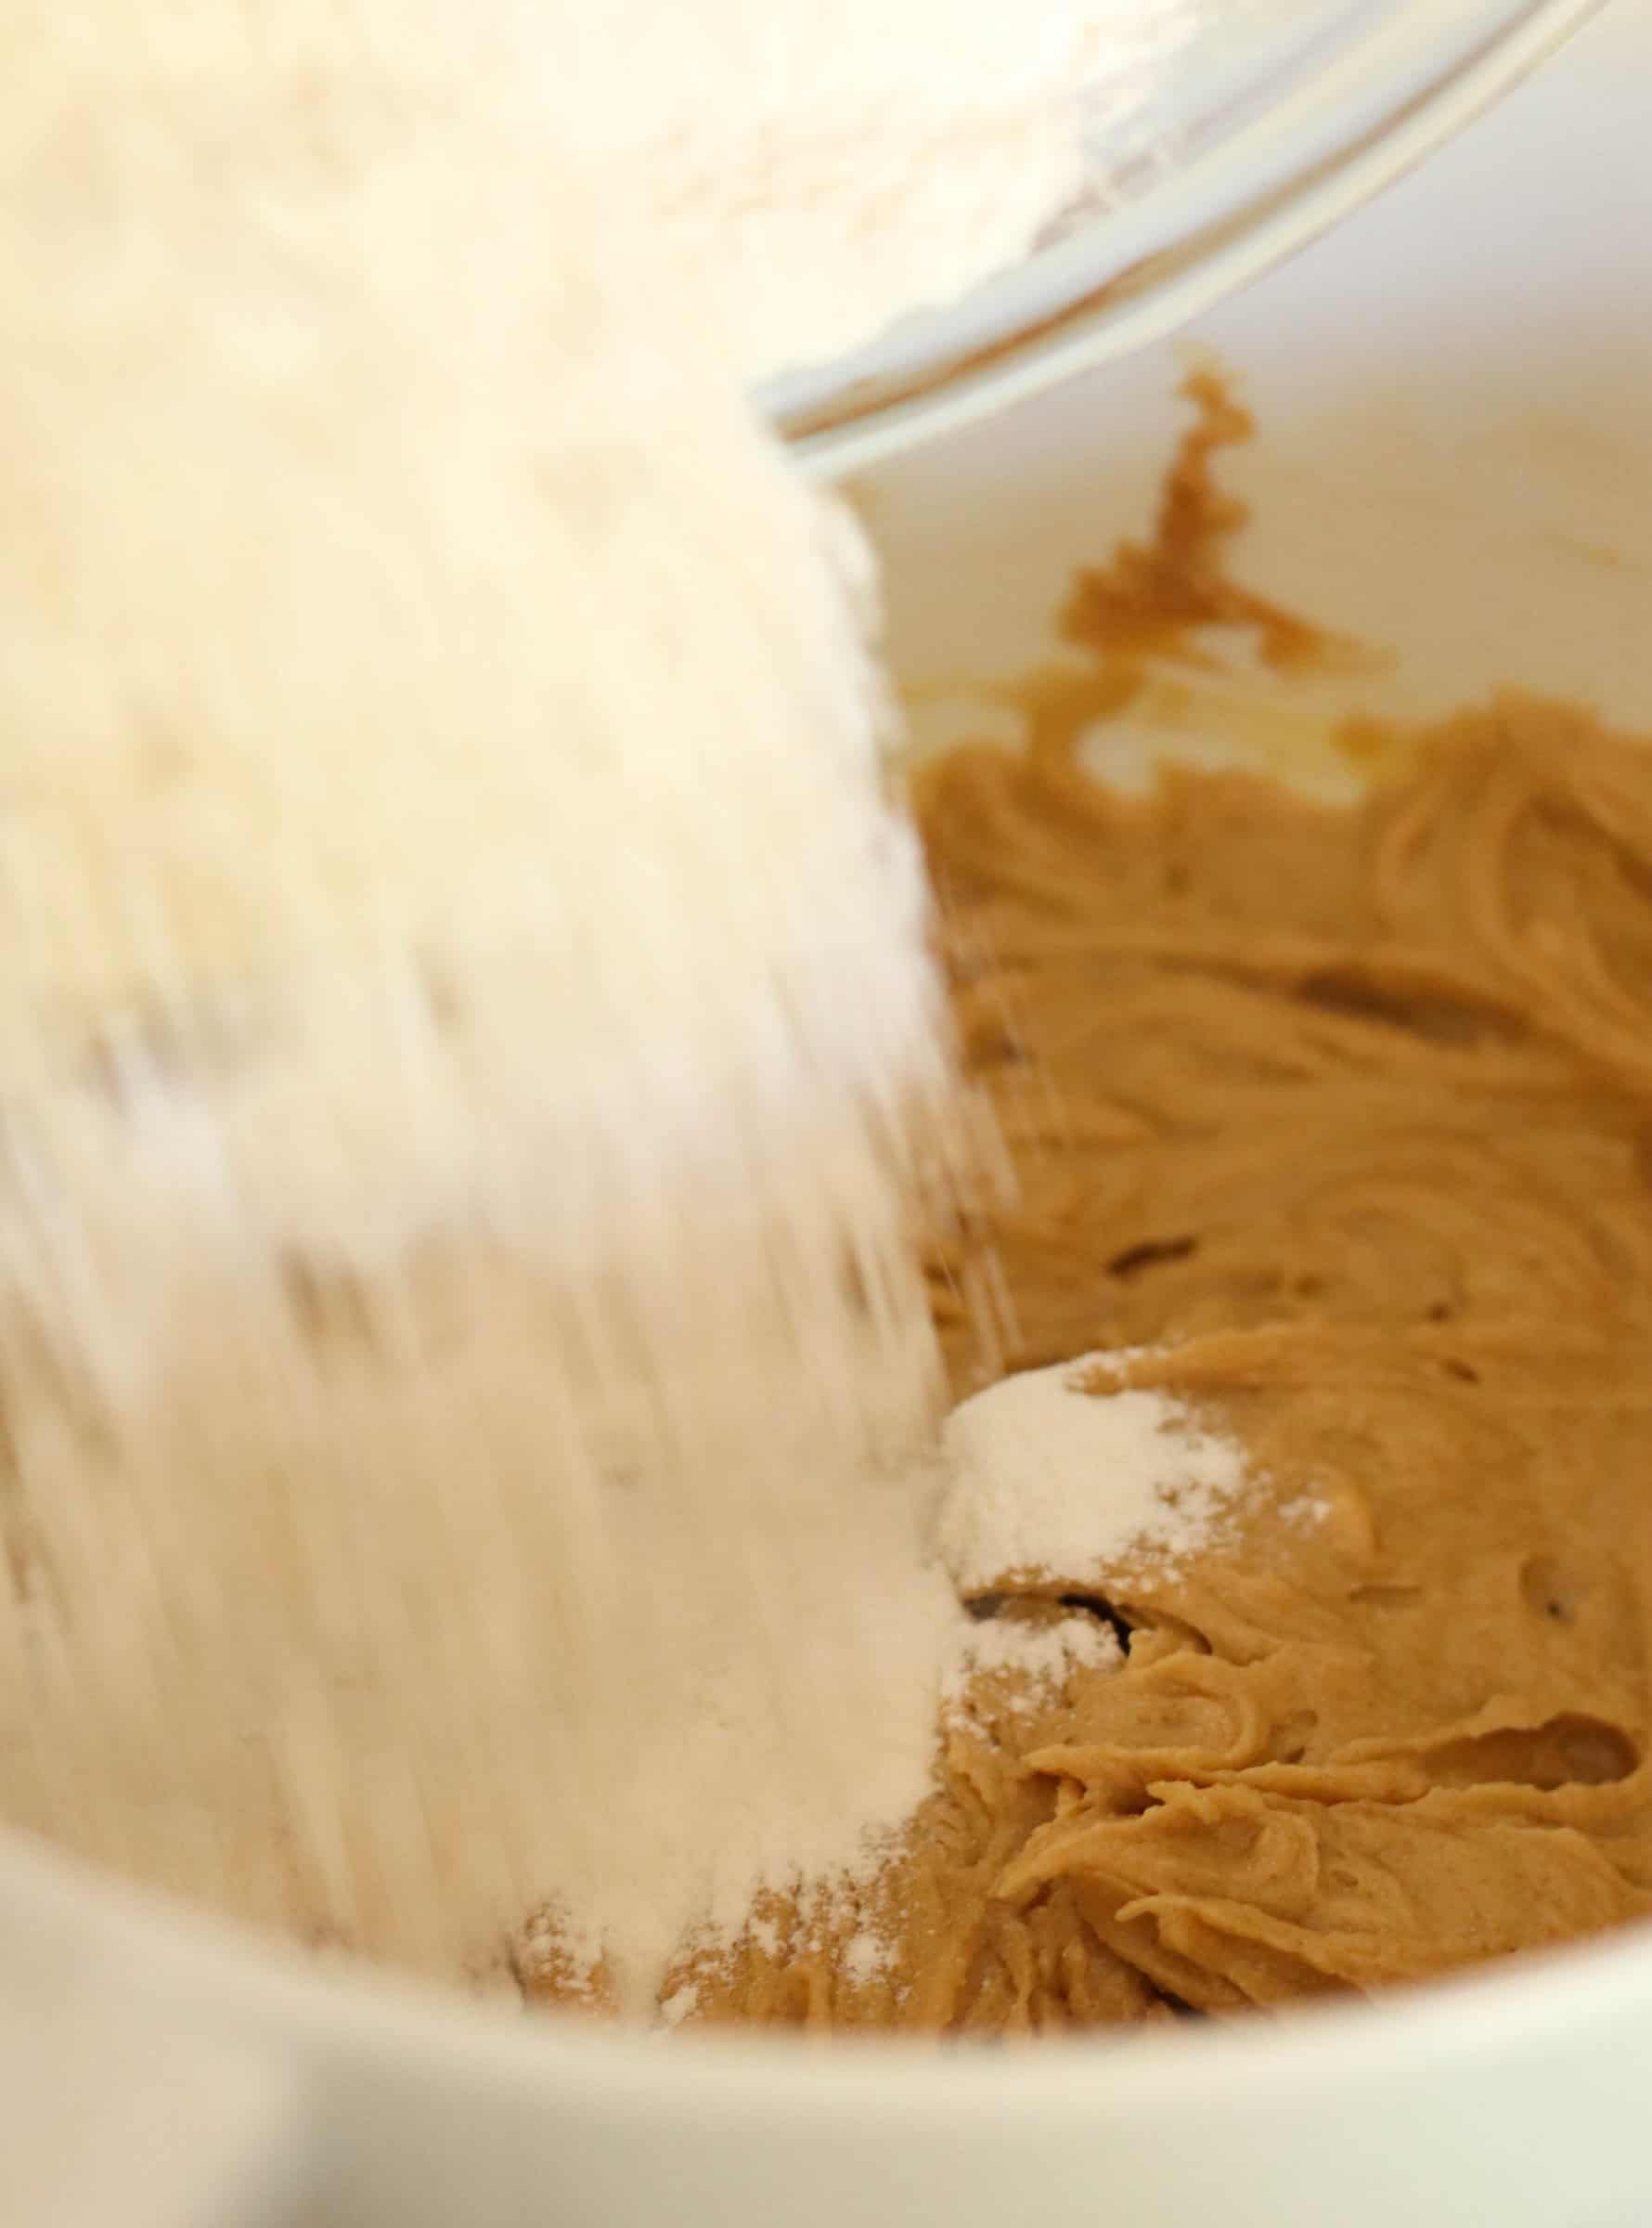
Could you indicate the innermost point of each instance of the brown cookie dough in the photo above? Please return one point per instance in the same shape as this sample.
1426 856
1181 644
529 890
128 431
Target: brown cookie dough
1350 1112
1345 1116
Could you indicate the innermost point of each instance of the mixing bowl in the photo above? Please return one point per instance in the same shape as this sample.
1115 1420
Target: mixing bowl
1455 461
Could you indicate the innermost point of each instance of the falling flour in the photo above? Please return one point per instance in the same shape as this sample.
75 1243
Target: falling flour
467 1029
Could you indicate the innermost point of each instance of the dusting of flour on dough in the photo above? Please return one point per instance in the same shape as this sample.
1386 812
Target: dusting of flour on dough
1046 1656
1045 1475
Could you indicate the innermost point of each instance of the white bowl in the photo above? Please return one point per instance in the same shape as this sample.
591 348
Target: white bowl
1456 459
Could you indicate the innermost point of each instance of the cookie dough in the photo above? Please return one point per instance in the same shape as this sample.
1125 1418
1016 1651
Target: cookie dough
1335 1125
1346 1115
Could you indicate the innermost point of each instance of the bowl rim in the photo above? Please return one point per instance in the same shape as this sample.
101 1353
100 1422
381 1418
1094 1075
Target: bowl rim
189 1968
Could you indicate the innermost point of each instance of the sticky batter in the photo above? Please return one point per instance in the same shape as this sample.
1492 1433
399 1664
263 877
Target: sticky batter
1346 1114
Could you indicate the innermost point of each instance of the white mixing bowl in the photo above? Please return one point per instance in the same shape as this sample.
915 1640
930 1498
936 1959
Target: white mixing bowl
1456 459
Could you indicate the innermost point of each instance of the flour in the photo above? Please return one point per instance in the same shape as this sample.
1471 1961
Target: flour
1046 1478
679 2006
865 1957
827 169
467 1029
1307 1511
1042 1656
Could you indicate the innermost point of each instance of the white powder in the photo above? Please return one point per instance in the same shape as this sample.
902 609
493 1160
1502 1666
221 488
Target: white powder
827 169
465 1015
675 2008
1305 1511
865 1957
1044 1656
1044 1478
464 1007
